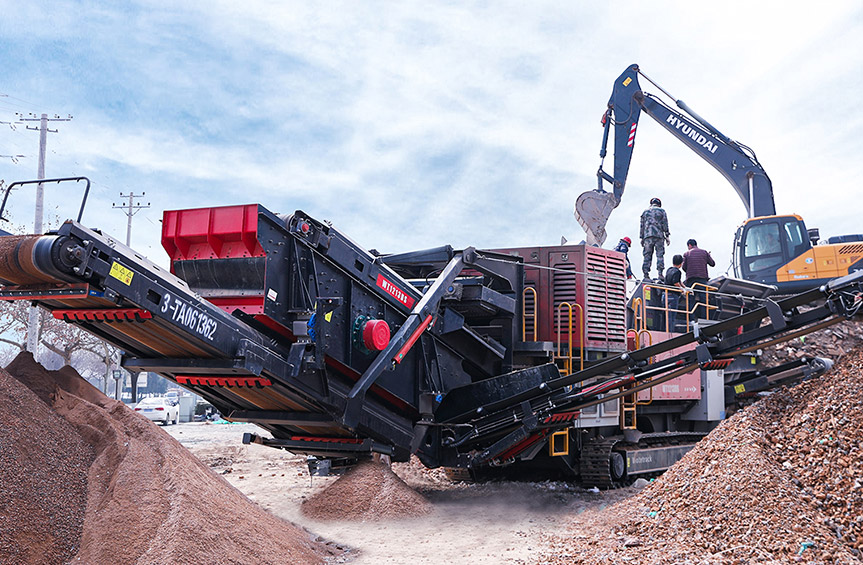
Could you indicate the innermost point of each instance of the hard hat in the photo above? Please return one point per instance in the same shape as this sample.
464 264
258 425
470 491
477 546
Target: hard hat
656 201
627 240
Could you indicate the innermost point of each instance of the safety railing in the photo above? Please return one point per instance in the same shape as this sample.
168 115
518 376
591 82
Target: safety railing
524 314
565 354
638 317
568 357
629 403
705 290
642 307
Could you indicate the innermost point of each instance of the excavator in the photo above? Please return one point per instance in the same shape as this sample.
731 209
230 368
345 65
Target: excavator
768 248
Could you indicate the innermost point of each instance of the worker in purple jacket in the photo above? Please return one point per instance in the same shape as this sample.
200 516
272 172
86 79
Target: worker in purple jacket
695 263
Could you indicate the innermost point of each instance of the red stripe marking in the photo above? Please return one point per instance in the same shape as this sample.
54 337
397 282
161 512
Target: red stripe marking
562 417
103 315
606 386
393 290
327 439
224 381
521 446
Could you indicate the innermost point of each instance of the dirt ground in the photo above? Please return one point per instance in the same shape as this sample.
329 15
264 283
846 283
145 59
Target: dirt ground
488 523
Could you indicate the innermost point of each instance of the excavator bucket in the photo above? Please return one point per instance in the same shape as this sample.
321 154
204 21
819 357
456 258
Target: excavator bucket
592 209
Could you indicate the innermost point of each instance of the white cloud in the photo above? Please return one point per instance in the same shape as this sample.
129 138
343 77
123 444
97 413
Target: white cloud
414 124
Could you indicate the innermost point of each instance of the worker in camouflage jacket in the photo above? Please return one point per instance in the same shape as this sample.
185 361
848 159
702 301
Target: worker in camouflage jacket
654 235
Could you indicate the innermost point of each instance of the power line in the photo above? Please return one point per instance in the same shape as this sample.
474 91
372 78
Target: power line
130 210
5 99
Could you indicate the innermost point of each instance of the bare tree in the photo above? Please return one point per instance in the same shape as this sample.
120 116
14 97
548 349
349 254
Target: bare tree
13 325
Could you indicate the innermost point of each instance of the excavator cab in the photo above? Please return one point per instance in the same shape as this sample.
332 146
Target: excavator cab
765 246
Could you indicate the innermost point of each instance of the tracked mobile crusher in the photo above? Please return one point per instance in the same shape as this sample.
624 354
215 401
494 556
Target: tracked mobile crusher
447 354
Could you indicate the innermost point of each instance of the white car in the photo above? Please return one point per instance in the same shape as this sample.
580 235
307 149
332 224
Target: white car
159 409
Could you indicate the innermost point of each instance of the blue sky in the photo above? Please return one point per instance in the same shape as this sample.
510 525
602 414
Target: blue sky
414 124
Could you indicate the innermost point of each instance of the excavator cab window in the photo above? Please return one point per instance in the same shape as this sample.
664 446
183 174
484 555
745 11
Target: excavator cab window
762 248
796 236
769 243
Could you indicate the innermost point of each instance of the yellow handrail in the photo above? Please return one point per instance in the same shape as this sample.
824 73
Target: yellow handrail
641 307
637 316
707 288
524 312
568 359
639 345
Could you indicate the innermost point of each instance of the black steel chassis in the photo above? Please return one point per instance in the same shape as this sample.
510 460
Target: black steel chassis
441 388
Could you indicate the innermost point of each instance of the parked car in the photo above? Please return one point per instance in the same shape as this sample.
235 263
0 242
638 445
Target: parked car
173 396
159 409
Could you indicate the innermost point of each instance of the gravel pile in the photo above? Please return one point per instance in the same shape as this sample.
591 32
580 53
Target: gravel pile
44 464
833 342
109 486
779 482
418 476
369 491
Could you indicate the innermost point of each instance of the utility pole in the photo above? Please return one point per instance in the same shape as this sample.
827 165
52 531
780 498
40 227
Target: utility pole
130 210
33 319
43 142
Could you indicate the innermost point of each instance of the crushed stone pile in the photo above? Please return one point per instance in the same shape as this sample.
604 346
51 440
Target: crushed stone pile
779 482
418 476
87 480
44 464
833 342
369 491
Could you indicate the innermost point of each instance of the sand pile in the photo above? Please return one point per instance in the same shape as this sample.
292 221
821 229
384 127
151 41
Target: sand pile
44 464
779 482
369 491
65 447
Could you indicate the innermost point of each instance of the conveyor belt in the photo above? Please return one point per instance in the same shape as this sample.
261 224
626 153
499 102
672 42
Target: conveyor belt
163 326
17 263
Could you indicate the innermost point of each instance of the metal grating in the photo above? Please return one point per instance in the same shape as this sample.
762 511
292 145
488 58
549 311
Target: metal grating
606 297
564 287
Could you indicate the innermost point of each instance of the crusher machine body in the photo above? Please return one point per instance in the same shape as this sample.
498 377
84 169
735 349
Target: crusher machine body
485 361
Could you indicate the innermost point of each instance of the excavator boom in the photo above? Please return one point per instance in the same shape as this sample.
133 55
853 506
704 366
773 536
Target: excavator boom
734 161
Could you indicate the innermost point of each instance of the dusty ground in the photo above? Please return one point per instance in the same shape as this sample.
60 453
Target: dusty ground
476 523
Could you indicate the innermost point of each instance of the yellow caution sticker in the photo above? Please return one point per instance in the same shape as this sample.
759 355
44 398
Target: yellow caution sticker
647 294
739 388
627 81
121 273
328 316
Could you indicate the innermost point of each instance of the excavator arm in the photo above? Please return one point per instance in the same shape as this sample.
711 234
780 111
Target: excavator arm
735 161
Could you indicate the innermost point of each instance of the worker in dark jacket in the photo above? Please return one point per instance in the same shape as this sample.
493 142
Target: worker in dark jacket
695 263
623 247
654 235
